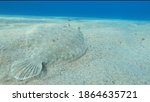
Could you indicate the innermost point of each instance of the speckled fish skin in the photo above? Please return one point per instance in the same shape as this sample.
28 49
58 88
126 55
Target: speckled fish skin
26 51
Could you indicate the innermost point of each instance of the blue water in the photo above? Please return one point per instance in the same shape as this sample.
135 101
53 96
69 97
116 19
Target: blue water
136 10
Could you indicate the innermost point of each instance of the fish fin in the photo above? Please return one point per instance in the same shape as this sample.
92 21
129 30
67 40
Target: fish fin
22 70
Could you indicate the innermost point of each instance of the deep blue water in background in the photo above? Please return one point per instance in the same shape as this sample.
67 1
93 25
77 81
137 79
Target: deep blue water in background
137 10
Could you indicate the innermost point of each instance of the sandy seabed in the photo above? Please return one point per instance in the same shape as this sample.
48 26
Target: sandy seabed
118 52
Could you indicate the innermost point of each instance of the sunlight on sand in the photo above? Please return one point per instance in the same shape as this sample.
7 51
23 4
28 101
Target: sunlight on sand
118 52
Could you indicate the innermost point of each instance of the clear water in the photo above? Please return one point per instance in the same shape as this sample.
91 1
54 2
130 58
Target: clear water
118 50
135 10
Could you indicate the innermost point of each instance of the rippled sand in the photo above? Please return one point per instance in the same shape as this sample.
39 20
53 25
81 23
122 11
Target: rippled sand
118 52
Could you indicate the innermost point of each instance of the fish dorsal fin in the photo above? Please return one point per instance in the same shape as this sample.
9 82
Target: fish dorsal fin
25 69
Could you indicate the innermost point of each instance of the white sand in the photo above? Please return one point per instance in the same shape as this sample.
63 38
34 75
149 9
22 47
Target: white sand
118 52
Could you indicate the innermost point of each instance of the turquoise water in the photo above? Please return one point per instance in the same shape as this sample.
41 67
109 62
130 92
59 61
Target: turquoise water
111 50
135 10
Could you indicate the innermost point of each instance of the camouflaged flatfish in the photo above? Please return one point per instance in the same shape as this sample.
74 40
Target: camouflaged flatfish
27 49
